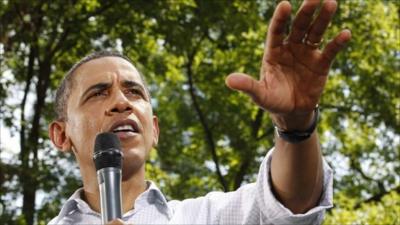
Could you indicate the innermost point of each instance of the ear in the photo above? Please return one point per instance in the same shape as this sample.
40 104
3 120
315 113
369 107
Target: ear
58 136
156 131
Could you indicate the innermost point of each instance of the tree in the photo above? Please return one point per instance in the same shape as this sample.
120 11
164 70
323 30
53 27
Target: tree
35 38
211 138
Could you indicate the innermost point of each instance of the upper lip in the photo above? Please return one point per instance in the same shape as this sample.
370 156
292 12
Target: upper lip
131 122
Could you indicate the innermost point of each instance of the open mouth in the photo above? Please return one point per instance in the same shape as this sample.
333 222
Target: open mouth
125 128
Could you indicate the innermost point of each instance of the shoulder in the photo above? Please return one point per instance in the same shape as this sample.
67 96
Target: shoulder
68 214
68 209
53 221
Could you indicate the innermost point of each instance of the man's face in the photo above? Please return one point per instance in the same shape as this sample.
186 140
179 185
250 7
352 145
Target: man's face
108 95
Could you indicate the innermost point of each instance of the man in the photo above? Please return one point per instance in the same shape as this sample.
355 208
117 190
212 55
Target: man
105 92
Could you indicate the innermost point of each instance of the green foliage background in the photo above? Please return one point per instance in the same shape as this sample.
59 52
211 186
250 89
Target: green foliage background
211 137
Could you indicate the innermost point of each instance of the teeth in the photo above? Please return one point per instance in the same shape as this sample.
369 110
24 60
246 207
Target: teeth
124 128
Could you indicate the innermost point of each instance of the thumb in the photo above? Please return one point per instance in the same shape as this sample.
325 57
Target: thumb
245 83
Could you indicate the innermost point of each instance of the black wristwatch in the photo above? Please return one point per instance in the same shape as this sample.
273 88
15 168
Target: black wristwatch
297 136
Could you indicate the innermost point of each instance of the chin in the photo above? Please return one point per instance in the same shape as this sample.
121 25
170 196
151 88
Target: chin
132 164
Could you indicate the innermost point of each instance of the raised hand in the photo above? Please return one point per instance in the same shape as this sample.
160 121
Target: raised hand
294 70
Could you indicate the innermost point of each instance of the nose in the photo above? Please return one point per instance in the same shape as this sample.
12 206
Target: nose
120 104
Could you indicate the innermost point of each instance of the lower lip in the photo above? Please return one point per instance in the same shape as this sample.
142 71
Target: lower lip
125 135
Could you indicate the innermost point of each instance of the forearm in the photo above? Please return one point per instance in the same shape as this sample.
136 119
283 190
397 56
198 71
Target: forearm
296 168
297 173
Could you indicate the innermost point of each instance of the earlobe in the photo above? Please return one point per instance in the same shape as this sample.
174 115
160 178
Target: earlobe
156 131
58 136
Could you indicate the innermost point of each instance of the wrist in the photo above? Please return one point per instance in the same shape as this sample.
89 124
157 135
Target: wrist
291 122
298 132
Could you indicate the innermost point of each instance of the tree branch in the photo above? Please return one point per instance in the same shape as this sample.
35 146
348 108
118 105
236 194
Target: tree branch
356 166
382 190
377 197
64 35
341 108
246 159
207 131
256 124
268 132
244 165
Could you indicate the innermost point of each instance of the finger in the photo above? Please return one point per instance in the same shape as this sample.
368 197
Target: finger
302 21
320 24
246 84
115 222
276 30
333 47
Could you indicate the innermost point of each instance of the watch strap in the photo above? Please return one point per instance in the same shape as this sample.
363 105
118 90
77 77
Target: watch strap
297 136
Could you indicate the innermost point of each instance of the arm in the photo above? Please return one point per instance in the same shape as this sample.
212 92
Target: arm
293 75
296 172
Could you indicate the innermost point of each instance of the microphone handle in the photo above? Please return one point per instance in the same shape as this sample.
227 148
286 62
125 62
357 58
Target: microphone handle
110 193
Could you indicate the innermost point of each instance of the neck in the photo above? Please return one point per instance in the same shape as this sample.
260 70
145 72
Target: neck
131 188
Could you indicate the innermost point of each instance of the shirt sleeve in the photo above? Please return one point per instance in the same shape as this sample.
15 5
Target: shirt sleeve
251 204
272 211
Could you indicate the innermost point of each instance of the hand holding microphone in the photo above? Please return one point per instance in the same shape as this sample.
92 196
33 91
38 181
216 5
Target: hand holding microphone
108 161
116 222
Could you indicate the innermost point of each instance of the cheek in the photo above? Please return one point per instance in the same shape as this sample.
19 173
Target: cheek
146 119
83 131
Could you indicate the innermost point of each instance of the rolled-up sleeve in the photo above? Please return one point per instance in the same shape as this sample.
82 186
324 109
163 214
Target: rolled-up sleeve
272 211
252 203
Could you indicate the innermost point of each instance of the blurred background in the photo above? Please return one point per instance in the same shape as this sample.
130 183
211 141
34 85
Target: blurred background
212 138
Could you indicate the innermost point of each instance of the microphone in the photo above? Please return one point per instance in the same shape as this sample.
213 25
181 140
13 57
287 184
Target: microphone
108 160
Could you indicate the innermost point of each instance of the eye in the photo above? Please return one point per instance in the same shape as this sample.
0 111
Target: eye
133 91
98 94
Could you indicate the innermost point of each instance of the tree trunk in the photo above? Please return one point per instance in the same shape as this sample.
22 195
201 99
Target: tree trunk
29 179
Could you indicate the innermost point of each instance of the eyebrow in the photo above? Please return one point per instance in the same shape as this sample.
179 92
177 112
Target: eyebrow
131 83
103 86
96 87
134 84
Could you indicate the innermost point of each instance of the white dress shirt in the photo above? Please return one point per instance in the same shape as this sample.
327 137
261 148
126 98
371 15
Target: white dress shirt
251 204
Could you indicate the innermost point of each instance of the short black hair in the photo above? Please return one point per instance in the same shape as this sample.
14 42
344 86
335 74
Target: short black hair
64 90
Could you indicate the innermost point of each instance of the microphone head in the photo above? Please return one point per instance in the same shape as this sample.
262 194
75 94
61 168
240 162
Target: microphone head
107 151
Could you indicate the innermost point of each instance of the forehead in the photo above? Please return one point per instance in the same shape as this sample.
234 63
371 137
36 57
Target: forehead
105 69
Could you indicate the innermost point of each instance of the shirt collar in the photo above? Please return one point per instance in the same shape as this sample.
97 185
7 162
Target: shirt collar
152 195
71 204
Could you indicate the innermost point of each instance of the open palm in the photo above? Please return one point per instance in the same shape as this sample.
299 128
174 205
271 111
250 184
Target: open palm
294 71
